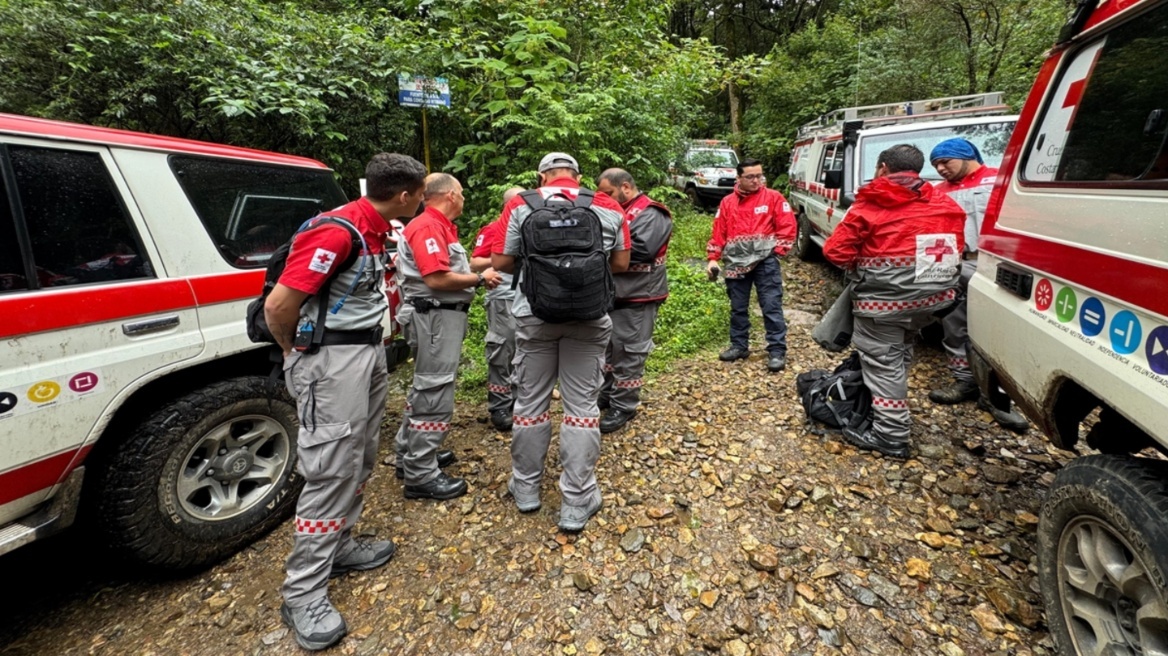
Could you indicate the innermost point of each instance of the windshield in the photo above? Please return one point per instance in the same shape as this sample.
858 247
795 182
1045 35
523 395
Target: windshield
722 159
990 139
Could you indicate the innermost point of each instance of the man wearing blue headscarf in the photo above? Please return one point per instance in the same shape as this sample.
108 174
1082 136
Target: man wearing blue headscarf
968 181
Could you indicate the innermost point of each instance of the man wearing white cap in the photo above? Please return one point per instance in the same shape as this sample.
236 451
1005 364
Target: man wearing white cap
563 243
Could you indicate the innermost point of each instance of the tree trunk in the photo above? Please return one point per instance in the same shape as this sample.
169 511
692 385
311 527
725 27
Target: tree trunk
735 114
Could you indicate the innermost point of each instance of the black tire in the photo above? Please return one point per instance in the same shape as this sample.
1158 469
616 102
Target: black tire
137 504
691 192
1103 556
804 248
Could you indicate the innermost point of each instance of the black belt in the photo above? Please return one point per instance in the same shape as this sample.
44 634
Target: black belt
424 305
352 337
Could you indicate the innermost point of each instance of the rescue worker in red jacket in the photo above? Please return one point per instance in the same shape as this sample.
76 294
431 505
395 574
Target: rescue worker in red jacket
753 227
500 349
640 291
901 242
438 285
968 181
340 391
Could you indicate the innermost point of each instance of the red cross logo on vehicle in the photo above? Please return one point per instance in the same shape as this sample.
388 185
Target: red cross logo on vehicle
938 250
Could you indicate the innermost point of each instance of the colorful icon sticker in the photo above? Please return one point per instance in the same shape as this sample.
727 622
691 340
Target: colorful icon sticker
1092 317
1043 295
1066 304
1126 333
7 402
1157 350
83 382
44 391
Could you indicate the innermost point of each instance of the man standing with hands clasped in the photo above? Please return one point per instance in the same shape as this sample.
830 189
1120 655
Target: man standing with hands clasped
968 181
436 279
340 387
753 227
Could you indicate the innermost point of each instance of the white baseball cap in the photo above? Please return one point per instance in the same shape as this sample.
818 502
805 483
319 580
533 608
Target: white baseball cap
558 161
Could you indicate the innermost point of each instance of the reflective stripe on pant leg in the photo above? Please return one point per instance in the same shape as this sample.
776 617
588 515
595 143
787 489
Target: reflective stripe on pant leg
882 357
738 289
331 386
768 281
440 334
500 350
536 368
632 340
581 363
956 327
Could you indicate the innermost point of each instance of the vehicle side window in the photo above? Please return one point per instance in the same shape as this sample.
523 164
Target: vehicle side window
833 158
79 229
249 210
12 275
1107 122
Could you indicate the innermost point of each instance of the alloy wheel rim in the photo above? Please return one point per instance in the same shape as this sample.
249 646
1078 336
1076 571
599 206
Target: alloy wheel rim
233 468
1109 601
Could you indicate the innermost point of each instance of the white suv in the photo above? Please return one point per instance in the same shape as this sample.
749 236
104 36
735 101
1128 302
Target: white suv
706 173
128 387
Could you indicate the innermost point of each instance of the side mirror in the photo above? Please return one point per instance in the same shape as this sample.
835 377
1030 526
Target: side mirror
833 179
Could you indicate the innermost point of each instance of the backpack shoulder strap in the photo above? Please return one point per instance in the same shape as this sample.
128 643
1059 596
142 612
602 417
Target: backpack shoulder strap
533 198
584 198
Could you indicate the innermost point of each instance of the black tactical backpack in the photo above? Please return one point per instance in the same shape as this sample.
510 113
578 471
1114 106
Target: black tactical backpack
257 325
838 398
566 276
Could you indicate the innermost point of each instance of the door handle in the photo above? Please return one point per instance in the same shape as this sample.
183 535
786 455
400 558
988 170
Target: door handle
150 325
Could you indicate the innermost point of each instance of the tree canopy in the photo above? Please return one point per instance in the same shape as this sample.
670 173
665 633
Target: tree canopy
617 83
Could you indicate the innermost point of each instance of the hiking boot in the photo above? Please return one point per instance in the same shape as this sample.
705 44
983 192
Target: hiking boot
603 403
614 419
502 420
776 362
959 391
445 459
525 500
316 625
869 440
442 487
733 353
574 518
1007 419
361 555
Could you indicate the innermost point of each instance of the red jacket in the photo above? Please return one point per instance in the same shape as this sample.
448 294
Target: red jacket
749 227
904 241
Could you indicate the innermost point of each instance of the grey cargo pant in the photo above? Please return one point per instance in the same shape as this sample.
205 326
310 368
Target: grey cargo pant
573 353
436 337
500 353
340 400
885 348
631 343
956 326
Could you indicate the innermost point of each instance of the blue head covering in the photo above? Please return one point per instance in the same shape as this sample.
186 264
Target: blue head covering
957 148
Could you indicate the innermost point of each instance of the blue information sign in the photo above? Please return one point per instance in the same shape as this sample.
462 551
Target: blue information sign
420 91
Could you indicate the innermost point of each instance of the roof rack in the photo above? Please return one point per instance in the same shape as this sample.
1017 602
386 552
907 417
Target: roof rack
708 143
979 104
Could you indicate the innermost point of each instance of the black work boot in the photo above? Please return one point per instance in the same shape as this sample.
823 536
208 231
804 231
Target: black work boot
959 391
501 420
1007 419
733 353
441 487
869 440
614 419
445 459
776 362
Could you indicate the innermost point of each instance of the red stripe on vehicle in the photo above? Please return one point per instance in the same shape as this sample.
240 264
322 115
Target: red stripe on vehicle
227 287
46 310
36 476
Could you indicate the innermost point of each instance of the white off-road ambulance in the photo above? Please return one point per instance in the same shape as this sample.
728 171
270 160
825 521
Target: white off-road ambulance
129 390
706 172
1068 312
835 155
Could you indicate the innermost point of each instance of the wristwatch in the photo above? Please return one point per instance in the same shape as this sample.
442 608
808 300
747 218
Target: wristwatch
482 281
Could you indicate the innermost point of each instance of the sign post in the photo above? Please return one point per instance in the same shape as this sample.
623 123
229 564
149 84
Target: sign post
424 92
